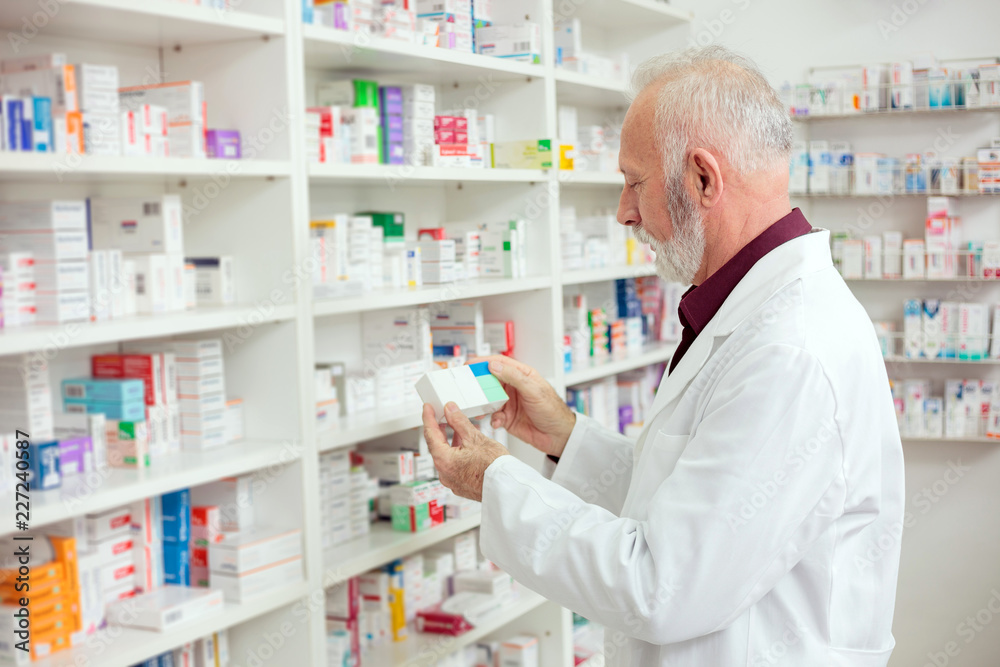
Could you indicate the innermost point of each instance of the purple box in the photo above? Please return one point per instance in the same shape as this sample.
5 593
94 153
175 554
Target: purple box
393 136
391 93
74 455
395 154
340 21
223 144
391 108
392 123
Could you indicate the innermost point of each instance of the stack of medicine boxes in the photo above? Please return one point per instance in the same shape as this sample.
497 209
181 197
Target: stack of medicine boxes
206 530
147 543
150 233
417 505
108 535
246 564
55 236
201 390
97 92
18 299
54 604
176 507
335 495
25 397
122 402
437 259
55 232
418 123
391 112
358 502
186 113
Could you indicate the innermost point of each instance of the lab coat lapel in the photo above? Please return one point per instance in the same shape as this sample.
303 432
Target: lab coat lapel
779 267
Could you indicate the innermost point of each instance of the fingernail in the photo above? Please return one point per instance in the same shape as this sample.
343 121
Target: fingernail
496 366
451 406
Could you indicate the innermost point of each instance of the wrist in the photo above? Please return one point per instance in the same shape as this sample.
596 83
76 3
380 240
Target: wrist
559 443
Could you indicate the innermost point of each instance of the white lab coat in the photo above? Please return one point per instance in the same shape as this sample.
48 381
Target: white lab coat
757 519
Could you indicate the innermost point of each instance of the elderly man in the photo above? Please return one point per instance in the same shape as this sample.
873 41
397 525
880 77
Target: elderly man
757 519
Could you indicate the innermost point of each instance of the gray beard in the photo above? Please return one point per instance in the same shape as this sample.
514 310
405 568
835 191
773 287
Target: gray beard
678 259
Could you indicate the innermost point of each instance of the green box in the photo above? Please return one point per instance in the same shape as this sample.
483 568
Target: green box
392 224
411 519
521 154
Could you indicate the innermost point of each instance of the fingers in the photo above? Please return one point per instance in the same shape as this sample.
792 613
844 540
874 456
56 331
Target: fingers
458 421
514 373
499 419
437 444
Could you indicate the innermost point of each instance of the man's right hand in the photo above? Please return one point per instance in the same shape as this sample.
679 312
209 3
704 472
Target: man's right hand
534 413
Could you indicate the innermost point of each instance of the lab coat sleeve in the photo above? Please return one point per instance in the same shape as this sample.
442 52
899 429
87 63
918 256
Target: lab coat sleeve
758 482
596 464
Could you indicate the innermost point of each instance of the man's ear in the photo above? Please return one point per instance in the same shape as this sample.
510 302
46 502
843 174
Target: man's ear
706 175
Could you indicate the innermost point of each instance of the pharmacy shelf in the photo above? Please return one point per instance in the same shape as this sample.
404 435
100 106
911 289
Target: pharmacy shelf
570 179
395 298
894 113
425 649
631 15
890 195
959 362
326 48
368 425
917 281
164 23
607 273
114 487
654 354
399 176
36 167
578 89
121 647
19 340
959 441
383 544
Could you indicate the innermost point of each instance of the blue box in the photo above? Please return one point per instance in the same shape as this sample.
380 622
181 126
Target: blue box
165 659
42 130
176 508
43 465
176 564
132 411
13 116
110 390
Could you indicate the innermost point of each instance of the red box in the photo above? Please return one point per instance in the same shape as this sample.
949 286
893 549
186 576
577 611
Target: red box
445 122
461 137
445 150
461 123
436 512
432 234
444 136
199 557
145 367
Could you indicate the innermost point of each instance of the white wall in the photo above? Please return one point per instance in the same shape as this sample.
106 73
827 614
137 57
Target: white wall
950 566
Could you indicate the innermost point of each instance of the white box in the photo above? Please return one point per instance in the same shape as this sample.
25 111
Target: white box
138 225
243 552
461 386
234 498
238 588
390 466
184 101
167 607
521 42
214 281
520 651
152 292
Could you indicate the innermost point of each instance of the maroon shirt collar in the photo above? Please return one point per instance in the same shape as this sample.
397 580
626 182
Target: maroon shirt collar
700 303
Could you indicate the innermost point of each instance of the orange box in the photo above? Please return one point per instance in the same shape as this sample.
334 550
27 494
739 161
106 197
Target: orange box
44 644
65 553
54 622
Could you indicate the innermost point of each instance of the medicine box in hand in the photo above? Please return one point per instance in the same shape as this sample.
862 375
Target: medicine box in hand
472 388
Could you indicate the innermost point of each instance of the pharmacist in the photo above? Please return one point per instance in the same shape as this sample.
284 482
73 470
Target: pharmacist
757 519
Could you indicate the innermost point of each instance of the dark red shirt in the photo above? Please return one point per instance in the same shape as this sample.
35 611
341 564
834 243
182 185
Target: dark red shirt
701 302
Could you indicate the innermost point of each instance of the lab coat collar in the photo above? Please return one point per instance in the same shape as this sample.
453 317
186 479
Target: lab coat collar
788 262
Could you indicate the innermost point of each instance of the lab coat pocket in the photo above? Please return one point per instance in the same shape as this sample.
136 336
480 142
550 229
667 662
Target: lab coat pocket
845 657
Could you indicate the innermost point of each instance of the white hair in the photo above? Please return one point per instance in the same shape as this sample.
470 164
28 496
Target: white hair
716 99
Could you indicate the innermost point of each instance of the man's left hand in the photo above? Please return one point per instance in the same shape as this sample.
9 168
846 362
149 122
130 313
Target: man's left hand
462 465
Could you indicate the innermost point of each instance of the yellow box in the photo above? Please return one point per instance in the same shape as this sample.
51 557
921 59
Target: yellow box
521 154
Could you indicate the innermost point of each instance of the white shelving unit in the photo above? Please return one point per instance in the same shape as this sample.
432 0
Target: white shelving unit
883 299
260 65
